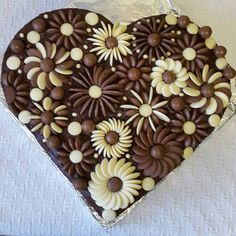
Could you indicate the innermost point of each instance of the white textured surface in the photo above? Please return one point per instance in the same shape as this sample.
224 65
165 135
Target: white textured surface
198 200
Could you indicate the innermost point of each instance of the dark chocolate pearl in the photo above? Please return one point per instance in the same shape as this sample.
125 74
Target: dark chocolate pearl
153 39
111 43
112 137
157 151
88 126
47 65
229 73
114 184
54 142
177 104
220 51
39 25
17 46
80 183
10 94
90 60
207 90
57 93
134 74
205 32
183 21
169 77
47 117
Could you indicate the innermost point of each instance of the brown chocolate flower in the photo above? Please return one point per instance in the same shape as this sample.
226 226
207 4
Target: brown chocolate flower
157 153
66 30
76 157
133 74
191 51
96 92
191 126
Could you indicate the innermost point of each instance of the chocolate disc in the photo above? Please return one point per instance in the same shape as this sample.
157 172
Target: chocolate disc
114 184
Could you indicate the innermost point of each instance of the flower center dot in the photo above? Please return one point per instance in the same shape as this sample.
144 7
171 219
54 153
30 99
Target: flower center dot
134 74
189 128
67 29
95 91
112 137
169 77
145 110
157 151
47 117
154 39
207 90
47 65
189 54
76 156
111 42
114 184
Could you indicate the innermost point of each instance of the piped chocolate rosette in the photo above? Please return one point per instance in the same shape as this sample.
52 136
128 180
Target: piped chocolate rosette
117 107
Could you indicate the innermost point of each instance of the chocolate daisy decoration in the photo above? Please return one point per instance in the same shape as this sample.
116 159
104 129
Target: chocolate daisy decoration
96 92
208 90
111 42
112 138
145 111
46 65
169 77
66 30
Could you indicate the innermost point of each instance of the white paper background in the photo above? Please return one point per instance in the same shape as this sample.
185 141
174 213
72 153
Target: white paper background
198 200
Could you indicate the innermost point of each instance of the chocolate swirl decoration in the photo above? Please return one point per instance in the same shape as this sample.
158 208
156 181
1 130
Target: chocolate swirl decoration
191 51
157 153
16 90
154 38
76 157
133 74
96 92
66 30
191 127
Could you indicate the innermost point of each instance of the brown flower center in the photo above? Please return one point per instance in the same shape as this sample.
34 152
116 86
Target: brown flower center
134 74
47 117
154 39
111 42
157 151
169 77
114 184
47 65
112 137
207 90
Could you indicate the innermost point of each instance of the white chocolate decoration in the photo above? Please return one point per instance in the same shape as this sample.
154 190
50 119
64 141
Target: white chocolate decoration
76 54
13 63
76 156
148 184
214 120
171 19
33 37
67 29
221 63
145 110
108 215
95 91
192 28
188 152
36 94
91 18
24 117
210 43
189 128
189 54
74 128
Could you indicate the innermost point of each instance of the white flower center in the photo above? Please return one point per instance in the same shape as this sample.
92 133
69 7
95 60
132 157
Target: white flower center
67 29
95 91
76 156
145 110
189 127
189 54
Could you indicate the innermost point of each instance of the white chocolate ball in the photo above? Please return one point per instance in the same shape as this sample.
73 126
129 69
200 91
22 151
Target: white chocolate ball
192 28
95 91
76 54
189 128
33 37
76 156
210 43
214 120
67 29
148 184
108 215
171 19
221 63
13 63
145 110
91 18
24 117
74 128
189 54
188 152
36 94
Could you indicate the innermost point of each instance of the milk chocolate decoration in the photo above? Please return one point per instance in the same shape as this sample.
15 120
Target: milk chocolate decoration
117 107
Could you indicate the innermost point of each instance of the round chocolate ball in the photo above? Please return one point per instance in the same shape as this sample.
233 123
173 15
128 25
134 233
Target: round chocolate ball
10 94
134 74
220 51
177 104
90 60
39 25
157 151
205 32
169 77
57 93
114 184
229 73
17 46
183 21
153 39
80 183
88 126
47 65
112 137
207 90
53 142
111 42
47 117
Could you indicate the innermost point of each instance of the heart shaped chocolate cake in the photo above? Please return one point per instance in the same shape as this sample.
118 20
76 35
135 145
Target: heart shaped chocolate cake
116 107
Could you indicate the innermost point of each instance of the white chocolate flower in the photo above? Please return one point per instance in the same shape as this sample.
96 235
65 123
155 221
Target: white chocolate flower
112 138
168 77
114 184
111 42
